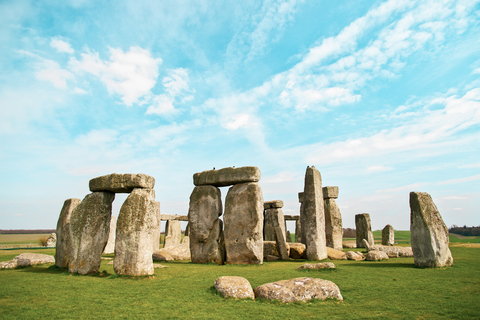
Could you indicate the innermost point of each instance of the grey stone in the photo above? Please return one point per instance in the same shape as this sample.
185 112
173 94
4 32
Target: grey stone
243 220
281 243
298 289
172 253
376 255
288 236
157 232
27 259
297 250
298 231
301 235
364 229
357 256
275 204
110 247
333 224
428 232
273 218
205 228
121 183
136 226
313 224
52 240
317 266
330 192
388 236
391 251
63 249
336 254
234 287
173 230
227 176
89 227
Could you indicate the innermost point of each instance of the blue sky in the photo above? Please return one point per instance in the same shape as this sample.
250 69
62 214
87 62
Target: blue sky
383 97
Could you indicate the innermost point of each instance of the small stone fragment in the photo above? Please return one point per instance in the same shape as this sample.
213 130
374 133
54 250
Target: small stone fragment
317 266
353 255
234 287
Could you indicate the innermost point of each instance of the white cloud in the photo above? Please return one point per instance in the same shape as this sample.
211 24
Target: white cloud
460 180
61 46
470 166
79 90
379 168
161 104
130 74
242 120
49 70
407 188
455 198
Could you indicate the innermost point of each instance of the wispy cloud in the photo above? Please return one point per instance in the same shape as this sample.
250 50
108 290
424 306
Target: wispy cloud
61 46
460 180
407 188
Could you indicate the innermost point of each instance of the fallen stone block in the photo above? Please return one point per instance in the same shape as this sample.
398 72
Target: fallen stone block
234 287
317 266
376 256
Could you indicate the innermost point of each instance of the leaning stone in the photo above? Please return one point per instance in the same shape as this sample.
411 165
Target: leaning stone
281 243
335 254
352 255
173 229
273 218
178 252
317 266
234 287
363 229
299 289
136 226
227 176
388 236
89 227
64 237
275 204
243 220
429 234
330 192
121 183
110 247
313 225
270 248
205 237
376 256
297 250
333 224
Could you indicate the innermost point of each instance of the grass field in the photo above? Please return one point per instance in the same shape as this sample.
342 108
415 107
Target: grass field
371 290
21 240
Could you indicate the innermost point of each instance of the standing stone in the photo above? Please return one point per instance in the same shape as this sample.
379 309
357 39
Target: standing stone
281 243
273 218
388 236
158 231
136 227
64 238
89 227
429 234
364 229
205 228
244 224
313 224
52 240
289 236
333 219
173 229
299 234
110 247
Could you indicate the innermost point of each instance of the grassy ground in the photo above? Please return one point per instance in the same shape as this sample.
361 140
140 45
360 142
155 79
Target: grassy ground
21 240
371 290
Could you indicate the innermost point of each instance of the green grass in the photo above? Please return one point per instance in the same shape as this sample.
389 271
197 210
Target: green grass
371 290
21 240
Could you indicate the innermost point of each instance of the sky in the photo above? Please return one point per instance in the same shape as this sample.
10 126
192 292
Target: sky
382 97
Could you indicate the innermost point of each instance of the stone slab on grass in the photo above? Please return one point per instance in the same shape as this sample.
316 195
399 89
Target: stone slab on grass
234 287
317 266
27 259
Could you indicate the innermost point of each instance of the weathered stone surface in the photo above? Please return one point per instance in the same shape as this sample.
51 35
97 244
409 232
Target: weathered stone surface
186 240
52 240
281 243
110 247
376 255
227 176
298 289
317 266
275 204
243 220
206 229
300 197
333 224
157 233
364 229
270 258
349 245
391 251
313 224
173 230
89 227
136 226
273 218
179 252
63 249
27 259
234 287
388 235
330 192
429 234
288 236
335 254
298 231
353 255
297 250
166 217
121 183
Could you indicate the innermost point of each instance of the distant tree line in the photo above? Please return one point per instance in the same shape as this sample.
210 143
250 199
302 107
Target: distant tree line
27 231
349 233
465 231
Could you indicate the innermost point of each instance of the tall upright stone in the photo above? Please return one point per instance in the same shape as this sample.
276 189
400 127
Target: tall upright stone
110 247
313 224
136 227
363 227
333 219
64 240
205 228
173 230
388 235
89 227
273 218
428 232
299 233
243 220
157 231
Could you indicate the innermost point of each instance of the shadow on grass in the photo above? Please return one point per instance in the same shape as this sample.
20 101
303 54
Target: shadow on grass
376 264
56 270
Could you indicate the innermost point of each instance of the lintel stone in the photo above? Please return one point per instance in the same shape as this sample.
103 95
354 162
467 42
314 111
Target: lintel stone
330 192
275 204
227 176
121 183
